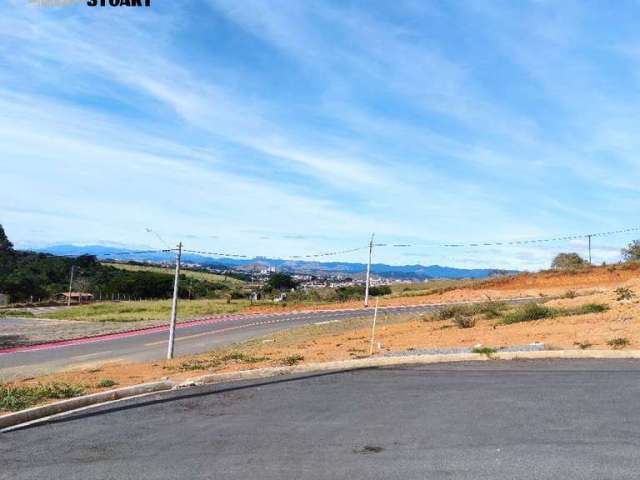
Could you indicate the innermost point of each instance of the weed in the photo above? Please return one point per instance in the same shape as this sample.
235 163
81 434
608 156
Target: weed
293 359
447 313
464 322
200 364
488 351
527 313
623 293
106 383
583 345
488 309
242 357
19 398
619 342
584 309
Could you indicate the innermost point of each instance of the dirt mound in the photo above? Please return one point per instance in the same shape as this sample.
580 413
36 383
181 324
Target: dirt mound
580 278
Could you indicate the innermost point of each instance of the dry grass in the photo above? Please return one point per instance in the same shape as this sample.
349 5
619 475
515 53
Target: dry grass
205 276
145 310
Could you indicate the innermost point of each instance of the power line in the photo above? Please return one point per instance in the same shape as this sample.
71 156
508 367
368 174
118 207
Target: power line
312 255
512 242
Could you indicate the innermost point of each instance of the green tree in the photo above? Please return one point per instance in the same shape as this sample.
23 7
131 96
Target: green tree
281 281
632 251
5 244
568 261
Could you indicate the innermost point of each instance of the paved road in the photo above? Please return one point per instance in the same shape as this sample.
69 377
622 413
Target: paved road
152 344
496 420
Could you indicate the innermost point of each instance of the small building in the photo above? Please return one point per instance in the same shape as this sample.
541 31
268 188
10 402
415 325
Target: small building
76 297
4 299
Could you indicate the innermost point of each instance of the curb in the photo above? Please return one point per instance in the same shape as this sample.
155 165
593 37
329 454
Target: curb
407 360
64 406
71 404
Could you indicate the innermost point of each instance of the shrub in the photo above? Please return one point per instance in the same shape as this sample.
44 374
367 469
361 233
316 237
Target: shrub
293 359
447 313
570 294
463 321
106 383
619 342
583 345
623 293
489 309
585 309
527 313
632 251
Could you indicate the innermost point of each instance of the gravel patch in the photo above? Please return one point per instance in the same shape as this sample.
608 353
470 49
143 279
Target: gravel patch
533 347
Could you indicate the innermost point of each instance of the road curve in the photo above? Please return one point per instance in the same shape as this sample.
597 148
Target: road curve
542 419
191 337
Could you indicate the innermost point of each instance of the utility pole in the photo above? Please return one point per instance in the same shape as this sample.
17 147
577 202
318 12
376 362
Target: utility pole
70 286
174 304
368 281
589 237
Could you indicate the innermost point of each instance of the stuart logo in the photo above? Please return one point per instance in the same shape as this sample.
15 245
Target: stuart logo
119 3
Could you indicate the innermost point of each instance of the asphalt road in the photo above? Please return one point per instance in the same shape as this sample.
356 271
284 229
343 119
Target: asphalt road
152 345
494 420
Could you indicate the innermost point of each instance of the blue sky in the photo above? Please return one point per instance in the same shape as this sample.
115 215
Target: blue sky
287 127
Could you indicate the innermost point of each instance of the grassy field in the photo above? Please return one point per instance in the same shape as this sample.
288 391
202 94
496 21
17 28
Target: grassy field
145 310
209 277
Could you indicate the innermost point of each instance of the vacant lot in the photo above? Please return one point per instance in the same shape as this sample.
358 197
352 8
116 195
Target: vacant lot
205 276
595 319
146 310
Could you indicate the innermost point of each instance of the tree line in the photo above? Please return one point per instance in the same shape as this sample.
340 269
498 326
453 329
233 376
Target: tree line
26 276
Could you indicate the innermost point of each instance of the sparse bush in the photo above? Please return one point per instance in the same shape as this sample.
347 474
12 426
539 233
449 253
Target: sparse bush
293 359
623 293
200 364
463 321
583 345
631 252
584 309
488 309
242 357
491 309
449 312
570 294
106 383
619 342
527 313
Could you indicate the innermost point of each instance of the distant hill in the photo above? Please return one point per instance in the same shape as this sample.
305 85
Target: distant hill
299 266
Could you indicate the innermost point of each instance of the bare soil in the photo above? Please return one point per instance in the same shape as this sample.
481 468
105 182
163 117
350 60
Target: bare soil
351 338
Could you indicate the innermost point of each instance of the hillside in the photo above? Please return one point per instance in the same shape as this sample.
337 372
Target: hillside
418 272
32 276
204 276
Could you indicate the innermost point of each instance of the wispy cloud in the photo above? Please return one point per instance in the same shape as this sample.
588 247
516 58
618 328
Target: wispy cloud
317 123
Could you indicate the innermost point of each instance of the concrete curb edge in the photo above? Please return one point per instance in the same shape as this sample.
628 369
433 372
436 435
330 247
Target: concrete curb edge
64 406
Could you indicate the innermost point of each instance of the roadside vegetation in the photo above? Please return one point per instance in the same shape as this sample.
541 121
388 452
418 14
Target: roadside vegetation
466 316
14 398
145 310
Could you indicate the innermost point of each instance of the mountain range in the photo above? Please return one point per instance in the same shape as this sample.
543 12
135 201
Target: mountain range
297 266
